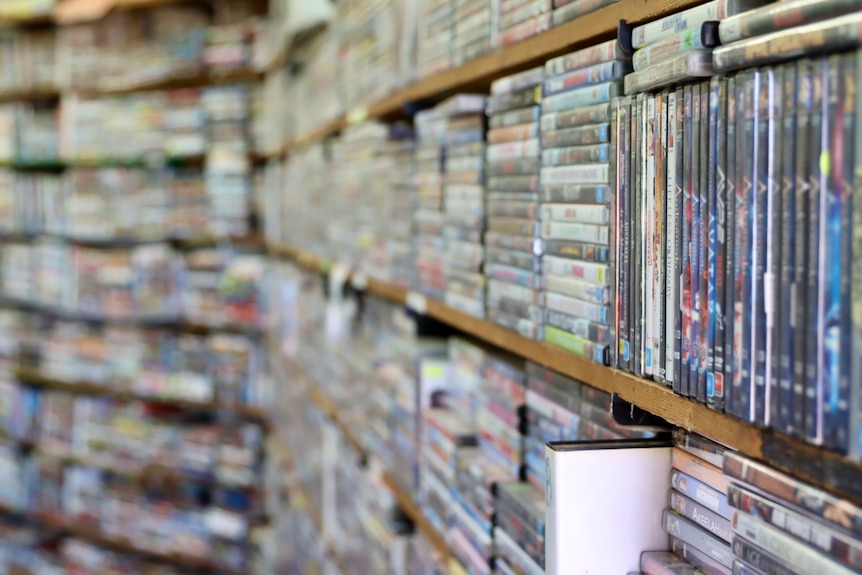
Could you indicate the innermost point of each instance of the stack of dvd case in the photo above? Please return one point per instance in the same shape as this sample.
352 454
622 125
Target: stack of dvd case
474 29
749 232
428 218
698 518
513 251
565 10
519 529
520 19
434 40
784 525
577 157
464 205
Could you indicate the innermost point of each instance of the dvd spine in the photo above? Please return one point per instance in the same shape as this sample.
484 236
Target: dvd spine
623 230
813 395
855 208
649 240
730 182
718 215
678 152
771 285
804 139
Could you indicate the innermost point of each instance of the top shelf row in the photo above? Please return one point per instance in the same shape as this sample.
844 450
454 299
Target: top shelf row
476 75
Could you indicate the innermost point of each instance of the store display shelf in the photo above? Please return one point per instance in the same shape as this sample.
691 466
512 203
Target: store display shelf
477 75
819 466
35 377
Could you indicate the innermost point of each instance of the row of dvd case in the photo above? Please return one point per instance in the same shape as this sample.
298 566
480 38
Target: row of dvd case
735 223
147 282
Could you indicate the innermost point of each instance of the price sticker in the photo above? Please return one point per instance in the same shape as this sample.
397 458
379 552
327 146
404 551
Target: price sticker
417 302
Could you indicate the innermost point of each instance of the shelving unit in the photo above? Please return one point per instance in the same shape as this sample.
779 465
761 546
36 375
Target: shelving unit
826 469
225 484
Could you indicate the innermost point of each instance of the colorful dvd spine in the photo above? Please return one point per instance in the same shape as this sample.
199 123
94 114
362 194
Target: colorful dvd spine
832 542
805 79
661 239
588 193
803 558
782 15
695 467
578 136
693 535
759 246
622 227
707 496
730 182
671 227
579 326
577 250
855 207
665 563
756 560
666 27
596 74
650 247
609 50
576 155
783 417
819 127
635 268
834 332
703 246
576 345
697 513
718 215
582 116
706 564
583 97
851 226
742 282
836 35
589 292
700 447
575 213
687 220
771 285
512 118
704 35
679 246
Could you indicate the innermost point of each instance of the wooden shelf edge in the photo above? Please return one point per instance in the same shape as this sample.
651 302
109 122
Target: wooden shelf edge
822 467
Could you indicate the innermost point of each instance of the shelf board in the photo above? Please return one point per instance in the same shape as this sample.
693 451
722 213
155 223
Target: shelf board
34 377
209 78
824 468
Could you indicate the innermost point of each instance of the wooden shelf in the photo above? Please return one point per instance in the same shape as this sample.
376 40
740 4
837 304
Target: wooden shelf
478 74
92 535
210 78
34 377
819 466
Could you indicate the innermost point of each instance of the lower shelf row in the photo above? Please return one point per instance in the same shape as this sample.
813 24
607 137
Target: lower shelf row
514 468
